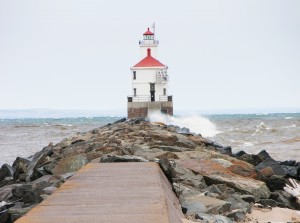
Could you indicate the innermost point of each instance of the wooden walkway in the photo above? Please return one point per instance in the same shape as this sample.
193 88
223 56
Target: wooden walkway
111 193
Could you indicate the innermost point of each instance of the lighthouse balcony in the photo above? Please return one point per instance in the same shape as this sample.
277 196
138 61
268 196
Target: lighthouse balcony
147 98
148 42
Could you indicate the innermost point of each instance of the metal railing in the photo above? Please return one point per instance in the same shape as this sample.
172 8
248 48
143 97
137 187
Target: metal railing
162 78
143 42
146 98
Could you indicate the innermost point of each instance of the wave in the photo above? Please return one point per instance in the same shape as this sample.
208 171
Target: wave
26 126
248 144
292 140
289 126
196 124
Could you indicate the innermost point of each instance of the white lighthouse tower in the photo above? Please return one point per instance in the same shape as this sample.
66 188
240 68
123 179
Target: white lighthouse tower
149 82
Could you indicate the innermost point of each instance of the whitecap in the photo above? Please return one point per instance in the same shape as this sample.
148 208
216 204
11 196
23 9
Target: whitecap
289 126
196 124
248 144
288 117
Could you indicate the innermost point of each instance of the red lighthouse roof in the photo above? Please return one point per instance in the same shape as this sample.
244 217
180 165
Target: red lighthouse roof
148 32
149 61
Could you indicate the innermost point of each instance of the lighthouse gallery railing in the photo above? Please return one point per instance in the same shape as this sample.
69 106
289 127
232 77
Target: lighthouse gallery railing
146 98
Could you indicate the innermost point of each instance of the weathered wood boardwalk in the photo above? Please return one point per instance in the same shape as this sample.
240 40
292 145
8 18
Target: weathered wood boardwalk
113 192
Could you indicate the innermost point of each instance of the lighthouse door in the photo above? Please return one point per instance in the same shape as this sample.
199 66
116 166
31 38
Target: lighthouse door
152 92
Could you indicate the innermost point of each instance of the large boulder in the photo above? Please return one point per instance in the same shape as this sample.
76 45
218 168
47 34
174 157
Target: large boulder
207 218
187 177
38 159
70 164
6 192
214 173
290 171
204 204
20 165
18 210
275 165
6 171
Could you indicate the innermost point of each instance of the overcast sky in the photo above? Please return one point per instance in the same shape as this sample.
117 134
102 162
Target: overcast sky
222 55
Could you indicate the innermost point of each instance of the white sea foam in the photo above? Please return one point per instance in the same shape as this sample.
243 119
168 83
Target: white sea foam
289 126
248 144
288 117
195 123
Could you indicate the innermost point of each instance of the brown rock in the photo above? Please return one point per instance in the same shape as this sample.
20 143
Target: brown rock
267 172
213 173
70 164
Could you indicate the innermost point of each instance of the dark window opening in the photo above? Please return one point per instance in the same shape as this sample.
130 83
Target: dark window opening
152 91
165 91
134 75
152 87
134 91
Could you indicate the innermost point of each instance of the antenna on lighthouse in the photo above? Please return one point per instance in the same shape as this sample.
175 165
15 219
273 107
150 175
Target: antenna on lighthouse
153 27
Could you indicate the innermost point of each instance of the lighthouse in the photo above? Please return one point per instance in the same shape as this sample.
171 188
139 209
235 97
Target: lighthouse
149 82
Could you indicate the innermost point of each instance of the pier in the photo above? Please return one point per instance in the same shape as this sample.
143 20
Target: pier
111 192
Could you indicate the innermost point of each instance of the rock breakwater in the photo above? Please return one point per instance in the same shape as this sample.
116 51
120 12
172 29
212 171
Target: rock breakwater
211 183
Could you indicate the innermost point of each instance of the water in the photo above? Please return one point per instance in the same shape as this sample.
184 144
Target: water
24 137
279 134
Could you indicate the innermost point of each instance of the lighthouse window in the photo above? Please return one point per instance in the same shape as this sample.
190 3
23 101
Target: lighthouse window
134 75
134 91
165 91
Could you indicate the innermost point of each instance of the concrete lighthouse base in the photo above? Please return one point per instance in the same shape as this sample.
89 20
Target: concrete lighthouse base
143 109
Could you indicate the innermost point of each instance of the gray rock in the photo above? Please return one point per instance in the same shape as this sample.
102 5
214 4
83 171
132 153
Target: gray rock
6 171
214 173
50 190
120 121
32 197
20 165
268 203
125 158
183 191
289 163
70 164
275 182
238 203
237 215
264 155
248 198
213 206
251 158
278 170
207 218
187 177
38 159
189 207
290 171
284 199
27 194
67 175
226 150
184 131
222 191
6 192
4 216
19 210
21 190
47 181
239 153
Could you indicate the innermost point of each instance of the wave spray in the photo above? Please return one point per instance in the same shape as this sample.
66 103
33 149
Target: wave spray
195 123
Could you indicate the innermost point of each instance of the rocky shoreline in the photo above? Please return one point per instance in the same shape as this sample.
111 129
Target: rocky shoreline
211 182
